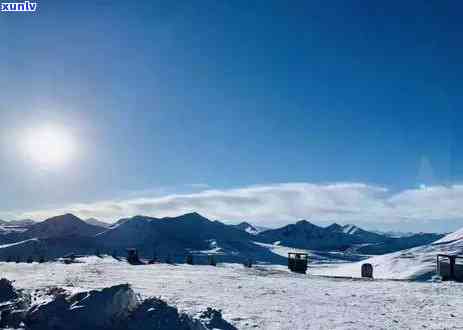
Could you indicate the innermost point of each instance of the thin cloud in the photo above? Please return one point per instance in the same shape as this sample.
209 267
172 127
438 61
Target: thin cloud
279 204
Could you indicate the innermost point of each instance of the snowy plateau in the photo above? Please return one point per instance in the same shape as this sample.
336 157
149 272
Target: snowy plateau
103 291
261 297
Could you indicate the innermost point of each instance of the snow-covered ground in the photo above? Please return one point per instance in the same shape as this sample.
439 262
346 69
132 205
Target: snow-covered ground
418 263
263 298
413 264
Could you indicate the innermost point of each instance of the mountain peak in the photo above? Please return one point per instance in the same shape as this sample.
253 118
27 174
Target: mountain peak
68 217
62 225
247 227
335 227
192 216
304 223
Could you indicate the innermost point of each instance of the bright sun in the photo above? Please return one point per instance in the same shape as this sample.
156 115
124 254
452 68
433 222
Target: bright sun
49 146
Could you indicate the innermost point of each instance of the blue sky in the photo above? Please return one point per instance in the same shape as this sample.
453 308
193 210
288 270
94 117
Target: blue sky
166 98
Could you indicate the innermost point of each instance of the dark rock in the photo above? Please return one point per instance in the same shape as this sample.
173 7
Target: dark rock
212 319
7 291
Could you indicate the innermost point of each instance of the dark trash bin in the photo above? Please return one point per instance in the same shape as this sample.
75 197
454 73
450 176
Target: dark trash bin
367 270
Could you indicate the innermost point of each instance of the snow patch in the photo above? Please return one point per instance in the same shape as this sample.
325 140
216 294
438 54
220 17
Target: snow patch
350 229
455 236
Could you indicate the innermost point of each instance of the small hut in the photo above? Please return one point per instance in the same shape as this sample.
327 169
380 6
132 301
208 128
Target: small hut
448 268
297 262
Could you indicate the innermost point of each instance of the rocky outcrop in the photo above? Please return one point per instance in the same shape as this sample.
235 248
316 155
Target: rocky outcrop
113 308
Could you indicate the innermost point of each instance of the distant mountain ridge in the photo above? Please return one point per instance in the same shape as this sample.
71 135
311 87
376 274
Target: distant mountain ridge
54 237
98 223
305 235
357 233
193 233
188 232
19 223
63 225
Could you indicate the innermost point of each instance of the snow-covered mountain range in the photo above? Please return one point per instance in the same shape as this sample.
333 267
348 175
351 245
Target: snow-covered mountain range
188 233
306 235
193 233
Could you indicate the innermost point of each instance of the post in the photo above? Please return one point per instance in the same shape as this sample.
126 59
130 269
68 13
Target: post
189 259
437 265
132 257
212 261
452 267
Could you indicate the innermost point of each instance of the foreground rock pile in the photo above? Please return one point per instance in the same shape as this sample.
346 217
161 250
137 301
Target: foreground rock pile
115 308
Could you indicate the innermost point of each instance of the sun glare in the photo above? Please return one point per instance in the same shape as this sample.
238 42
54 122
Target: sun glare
49 146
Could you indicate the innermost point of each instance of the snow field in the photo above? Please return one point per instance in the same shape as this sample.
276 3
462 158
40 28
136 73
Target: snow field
262 297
